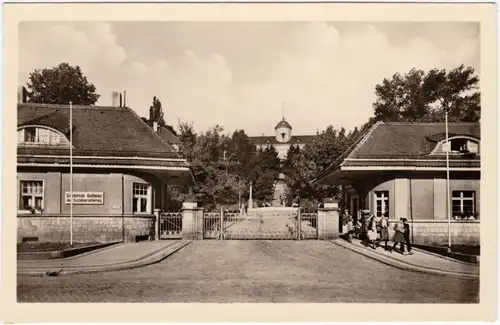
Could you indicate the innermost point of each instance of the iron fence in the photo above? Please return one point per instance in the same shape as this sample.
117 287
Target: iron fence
308 224
171 225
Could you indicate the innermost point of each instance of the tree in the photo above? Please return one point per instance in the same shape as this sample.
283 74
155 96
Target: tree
265 171
420 97
60 85
156 115
241 153
302 166
188 138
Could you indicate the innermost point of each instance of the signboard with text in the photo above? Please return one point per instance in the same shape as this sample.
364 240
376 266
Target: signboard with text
84 198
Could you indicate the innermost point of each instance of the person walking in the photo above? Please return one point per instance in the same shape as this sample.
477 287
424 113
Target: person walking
358 229
406 227
398 237
372 232
350 229
384 230
344 220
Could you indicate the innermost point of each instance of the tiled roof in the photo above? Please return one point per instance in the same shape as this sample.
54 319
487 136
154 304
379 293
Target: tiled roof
295 139
54 120
283 124
98 131
395 144
168 136
410 139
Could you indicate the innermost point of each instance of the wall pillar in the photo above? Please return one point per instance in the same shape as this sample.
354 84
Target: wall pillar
401 198
192 222
440 199
328 222
157 224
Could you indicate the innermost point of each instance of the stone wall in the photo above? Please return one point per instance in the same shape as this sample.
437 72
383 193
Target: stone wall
436 232
85 228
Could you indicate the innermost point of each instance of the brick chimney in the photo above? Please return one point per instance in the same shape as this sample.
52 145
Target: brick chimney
115 99
155 126
22 95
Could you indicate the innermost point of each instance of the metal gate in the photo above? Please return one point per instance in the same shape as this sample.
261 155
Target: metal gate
171 225
269 225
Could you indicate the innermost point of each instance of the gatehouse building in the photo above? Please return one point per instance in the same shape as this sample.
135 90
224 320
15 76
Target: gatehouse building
400 170
121 170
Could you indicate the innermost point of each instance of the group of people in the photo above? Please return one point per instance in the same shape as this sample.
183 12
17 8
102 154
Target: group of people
377 231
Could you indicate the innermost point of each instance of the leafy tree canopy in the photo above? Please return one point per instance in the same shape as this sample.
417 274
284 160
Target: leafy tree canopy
422 97
60 85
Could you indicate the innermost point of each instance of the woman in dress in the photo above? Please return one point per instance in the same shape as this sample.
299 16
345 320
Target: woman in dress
372 232
398 237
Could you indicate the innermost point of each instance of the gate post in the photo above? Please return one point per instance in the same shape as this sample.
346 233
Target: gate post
157 224
192 222
328 222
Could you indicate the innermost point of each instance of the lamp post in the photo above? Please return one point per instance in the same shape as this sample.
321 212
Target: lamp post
239 193
448 148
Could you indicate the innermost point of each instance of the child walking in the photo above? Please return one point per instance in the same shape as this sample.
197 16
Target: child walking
384 230
372 232
406 227
398 237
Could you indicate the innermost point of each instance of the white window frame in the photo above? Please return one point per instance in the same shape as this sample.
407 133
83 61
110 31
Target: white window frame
446 145
385 202
461 198
20 195
148 197
52 135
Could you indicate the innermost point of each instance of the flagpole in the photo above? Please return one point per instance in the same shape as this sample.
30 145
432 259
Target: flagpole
448 148
71 173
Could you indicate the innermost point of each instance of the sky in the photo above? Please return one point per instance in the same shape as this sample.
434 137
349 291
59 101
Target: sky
245 75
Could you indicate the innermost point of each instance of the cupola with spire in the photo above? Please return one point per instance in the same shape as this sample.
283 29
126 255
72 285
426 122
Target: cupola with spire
283 131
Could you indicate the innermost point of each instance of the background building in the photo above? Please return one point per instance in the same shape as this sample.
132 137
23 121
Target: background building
281 141
399 169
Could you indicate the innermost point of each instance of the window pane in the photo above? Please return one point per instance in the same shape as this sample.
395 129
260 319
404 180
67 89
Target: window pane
29 135
468 194
54 138
26 202
134 205
38 203
143 205
456 206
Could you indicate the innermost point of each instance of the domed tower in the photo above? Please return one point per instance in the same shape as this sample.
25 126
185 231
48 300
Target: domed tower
283 131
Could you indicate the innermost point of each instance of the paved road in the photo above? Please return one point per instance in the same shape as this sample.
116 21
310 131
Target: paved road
254 271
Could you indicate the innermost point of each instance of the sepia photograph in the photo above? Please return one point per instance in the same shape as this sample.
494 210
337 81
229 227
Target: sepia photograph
320 161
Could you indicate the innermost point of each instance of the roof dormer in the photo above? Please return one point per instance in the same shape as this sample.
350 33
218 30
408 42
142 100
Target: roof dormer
457 145
40 135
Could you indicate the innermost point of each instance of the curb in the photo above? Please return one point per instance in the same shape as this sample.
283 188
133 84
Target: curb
404 265
64 254
445 257
151 258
